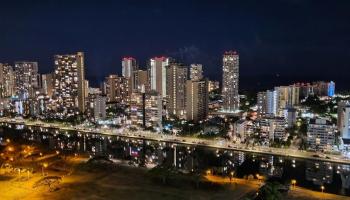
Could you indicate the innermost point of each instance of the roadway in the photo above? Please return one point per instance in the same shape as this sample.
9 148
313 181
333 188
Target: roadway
216 144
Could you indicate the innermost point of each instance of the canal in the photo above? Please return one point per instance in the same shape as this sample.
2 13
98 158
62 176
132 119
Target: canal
192 159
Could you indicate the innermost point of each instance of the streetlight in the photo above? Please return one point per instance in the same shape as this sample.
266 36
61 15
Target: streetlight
294 182
322 188
10 149
208 172
45 165
231 176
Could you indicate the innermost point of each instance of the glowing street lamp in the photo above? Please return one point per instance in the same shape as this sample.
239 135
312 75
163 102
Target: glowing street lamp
208 172
10 149
45 165
322 188
294 182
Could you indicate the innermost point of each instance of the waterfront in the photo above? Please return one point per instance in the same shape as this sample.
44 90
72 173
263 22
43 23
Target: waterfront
194 159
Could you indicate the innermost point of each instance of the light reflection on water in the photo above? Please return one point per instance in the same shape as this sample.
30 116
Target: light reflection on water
308 173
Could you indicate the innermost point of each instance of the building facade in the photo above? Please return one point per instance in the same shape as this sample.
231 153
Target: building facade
344 119
320 135
157 74
26 79
196 100
196 72
230 81
7 80
69 83
116 89
176 89
100 107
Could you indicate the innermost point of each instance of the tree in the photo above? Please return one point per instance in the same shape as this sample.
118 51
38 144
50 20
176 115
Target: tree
270 191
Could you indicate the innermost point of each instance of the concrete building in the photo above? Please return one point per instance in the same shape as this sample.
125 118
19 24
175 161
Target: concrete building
230 81
176 89
7 80
319 88
320 134
196 72
140 79
26 79
291 116
267 103
157 74
273 128
47 84
241 130
196 100
100 107
344 119
287 96
117 89
323 88
213 85
128 66
146 109
69 83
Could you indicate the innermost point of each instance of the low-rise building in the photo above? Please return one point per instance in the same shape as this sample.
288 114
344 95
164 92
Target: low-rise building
320 134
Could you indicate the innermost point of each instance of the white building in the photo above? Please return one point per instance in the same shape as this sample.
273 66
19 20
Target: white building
128 66
344 119
273 128
152 113
157 74
230 81
320 134
100 107
196 72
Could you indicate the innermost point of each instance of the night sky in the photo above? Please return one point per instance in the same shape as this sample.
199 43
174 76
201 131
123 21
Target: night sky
279 42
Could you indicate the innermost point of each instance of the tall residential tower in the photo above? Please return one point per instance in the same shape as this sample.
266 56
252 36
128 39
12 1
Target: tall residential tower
230 81
69 82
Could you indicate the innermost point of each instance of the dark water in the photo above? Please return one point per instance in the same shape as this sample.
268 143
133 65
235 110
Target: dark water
309 174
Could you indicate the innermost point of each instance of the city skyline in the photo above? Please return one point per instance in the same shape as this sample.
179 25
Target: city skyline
273 57
179 99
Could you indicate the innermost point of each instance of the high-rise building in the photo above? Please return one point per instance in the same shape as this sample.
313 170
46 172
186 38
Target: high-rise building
117 89
287 96
273 128
47 84
331 89
176 89
319 88
153 109
323 88
344 119
213 85
267 103
196 72
69 82
7 80
26 79
196 100
140 79
100 107
320 134
128 66
86 87
230 81
157 74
